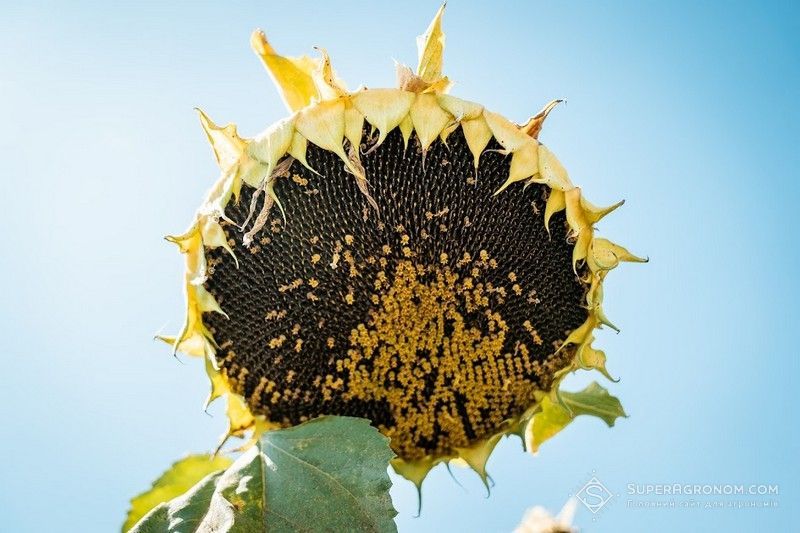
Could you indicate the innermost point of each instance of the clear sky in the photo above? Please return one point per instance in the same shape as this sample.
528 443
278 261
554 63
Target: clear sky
688 110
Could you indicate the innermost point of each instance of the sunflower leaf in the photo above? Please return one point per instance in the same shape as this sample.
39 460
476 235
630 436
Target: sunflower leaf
329 473
594 400
179 478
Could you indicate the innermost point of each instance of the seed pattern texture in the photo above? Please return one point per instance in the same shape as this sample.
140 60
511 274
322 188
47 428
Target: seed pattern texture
438 316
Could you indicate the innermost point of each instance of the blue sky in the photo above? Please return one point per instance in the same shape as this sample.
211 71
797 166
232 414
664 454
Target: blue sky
687 110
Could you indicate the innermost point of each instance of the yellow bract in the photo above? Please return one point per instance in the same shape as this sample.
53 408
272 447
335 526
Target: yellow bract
325 114
384 109
292 75
431 50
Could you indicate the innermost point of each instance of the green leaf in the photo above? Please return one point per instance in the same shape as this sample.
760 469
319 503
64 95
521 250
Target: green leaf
327 474
174 482
594 400
184 513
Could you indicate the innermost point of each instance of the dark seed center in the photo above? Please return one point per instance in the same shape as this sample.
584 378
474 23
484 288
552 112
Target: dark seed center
436 317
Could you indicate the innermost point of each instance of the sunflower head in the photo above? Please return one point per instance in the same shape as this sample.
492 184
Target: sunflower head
395 254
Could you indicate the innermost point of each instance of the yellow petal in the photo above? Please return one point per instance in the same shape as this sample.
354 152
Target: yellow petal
406 127
293 76
298 150
194 346
323 125
256 173
534 124
191 338
270 146
460 109
225 142
442 85
353 125
595 214
601 316
430 46
550 420
329 86
605 255
214 236
186 241
476 456
581 249
581 334
191 245
590 358
218 386
240 419
207 303
551 172
478 135
429 119
507 133
415 471
524 164
576 217
594 298
445 133
384 109
555 203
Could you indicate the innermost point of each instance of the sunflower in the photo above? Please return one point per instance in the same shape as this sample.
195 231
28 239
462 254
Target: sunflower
396 254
